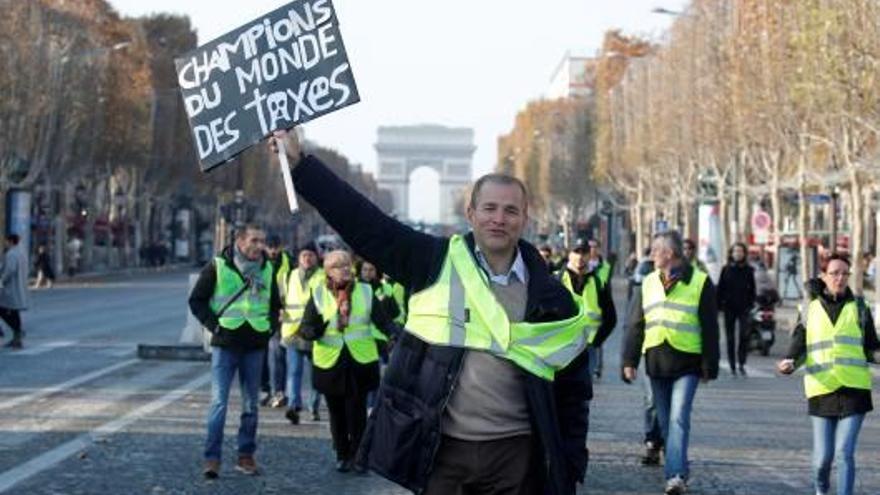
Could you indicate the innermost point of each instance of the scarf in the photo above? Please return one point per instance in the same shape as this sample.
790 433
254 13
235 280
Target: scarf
250 270
342 293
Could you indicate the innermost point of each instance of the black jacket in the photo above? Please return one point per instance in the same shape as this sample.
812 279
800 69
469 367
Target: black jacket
736 288
244 337
606 302
404 430
664 361
347 376
844 401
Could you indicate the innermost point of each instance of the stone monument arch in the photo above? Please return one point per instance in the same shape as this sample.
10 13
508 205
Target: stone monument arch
448 150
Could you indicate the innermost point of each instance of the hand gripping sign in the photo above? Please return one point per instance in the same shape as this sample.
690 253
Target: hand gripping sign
282 69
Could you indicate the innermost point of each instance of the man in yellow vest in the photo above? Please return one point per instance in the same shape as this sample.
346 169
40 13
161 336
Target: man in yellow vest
236 298
295 293
585 284
673 323
597 264
835 343
486 388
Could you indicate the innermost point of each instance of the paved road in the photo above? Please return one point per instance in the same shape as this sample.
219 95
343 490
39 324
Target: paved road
79 414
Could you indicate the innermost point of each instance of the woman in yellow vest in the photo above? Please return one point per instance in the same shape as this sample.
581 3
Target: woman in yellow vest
834 342
339 318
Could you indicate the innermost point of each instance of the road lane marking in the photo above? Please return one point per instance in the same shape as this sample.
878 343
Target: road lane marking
43 392
92 403
42 462
44 348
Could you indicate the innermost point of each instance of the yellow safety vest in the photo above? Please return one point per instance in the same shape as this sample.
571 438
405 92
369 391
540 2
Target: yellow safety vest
399 293
252 306
835 352
589 298
296 295
357 336
603 272
460 310
673 317
385 291
283 271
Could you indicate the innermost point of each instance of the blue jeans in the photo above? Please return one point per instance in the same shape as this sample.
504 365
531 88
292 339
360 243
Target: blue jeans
224 363
673 399
277 358
835 437
652 425
296 361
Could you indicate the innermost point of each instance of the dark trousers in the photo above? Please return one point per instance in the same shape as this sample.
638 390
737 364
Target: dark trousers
733 350
495 467
12 318
348 419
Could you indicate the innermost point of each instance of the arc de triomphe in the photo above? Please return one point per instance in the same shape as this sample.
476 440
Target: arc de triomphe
448 150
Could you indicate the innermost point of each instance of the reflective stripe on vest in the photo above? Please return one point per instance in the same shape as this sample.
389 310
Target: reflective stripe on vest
357 336
252 306
296 296
673 317
589 299
835 353
460 310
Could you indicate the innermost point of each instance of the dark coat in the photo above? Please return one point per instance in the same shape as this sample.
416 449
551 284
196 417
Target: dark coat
243 337
404 431
736 288
347 376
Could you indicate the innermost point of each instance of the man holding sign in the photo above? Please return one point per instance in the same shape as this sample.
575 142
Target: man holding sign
486 388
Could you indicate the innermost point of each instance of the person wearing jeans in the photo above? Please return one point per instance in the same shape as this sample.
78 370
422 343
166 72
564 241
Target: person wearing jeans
653 435
673 322
236 298
835 346
297 358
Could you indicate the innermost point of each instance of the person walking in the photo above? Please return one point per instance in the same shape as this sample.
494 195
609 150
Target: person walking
673 323
596 263
43 267
302 280
690 254
14 295
236 298
477 398
585 285
834 343
276 354
339 319
736 296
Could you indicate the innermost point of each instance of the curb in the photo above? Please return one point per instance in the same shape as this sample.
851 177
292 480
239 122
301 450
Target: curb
172 352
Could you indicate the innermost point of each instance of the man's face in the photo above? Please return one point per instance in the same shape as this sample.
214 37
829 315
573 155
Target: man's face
272 252
307 259
689 250
577 261
594 250
739 253
368 272
661 255
252 244
498 217
546 255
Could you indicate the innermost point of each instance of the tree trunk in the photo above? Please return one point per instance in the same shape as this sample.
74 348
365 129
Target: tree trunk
640 228
803 207
855 242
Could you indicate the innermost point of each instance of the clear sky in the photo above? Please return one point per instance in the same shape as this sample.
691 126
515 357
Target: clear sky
468 63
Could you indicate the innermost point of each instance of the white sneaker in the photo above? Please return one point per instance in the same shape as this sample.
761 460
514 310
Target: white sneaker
675 486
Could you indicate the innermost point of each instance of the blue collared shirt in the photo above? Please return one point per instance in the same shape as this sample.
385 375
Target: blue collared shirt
517 269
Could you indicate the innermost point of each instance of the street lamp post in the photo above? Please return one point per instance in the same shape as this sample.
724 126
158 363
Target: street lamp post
835 194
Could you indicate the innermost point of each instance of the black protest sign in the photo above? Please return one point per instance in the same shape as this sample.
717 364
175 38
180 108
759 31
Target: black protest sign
285 68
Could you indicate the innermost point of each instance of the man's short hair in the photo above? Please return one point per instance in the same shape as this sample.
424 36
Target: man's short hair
500 179
240 233
673 241
274 241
